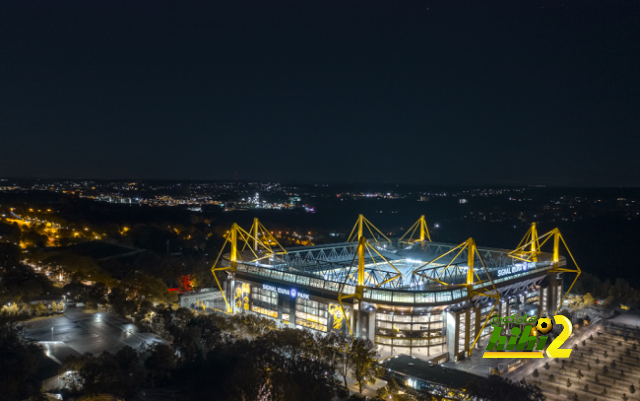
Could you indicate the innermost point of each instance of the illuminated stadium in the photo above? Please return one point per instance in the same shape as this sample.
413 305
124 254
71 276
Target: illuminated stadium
408 295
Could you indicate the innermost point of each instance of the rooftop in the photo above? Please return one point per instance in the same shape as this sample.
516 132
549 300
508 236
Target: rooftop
421 370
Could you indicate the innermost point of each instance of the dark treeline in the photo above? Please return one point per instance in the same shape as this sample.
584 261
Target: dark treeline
611 293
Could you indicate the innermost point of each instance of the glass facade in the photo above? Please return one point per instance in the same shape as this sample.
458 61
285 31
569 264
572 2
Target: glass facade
312 314
264 302
406 330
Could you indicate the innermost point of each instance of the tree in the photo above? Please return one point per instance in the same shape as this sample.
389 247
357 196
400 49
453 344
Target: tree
138 285
575 397
606 355
160 361
546 366
196 338
334 352
363 356
244 369
584 343
392 392
535 373
589 367
609 303
590 337
588 301
10 255
579 374
552 378
19 362
597 361
253 325
605 370
121 305
120 374
569 382
586 388
497 388
632 389
22 283
624 397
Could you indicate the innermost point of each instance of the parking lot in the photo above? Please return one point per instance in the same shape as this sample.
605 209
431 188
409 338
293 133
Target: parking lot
89 332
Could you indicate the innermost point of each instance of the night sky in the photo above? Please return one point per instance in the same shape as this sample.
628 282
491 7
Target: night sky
403 91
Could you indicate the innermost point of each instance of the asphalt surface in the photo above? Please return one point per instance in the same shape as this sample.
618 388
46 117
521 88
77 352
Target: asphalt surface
89 332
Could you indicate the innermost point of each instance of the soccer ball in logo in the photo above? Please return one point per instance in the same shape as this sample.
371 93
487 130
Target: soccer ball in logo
544 325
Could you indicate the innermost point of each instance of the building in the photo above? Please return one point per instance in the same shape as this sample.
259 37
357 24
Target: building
205 297
409 296
429 378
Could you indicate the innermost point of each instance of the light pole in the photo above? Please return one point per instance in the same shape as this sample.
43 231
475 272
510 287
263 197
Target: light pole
52 334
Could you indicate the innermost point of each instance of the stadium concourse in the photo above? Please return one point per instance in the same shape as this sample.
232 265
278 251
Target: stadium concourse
408 295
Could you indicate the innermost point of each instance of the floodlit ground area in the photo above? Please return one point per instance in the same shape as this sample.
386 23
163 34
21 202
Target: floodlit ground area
88 332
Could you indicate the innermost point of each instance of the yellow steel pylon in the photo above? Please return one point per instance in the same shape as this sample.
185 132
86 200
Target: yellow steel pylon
237 233
529 249
363 248
360 225
472 252
263 238
424 231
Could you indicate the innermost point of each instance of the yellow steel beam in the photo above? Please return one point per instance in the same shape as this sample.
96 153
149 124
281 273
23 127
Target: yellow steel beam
361 223
471 254
424 230
420 224
358 223
495 295
578 271
361 256
484 325
410 231
256 226
214 269
272 238
340 298
439 257
376 228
